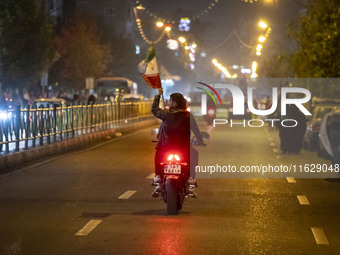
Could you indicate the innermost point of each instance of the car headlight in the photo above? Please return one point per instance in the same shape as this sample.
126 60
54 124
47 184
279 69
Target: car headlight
5 115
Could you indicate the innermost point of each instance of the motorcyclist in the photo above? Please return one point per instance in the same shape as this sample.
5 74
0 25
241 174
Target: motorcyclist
174 134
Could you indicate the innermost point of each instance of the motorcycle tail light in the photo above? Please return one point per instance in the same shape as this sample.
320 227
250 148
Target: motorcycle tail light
177 157
173 177
171 157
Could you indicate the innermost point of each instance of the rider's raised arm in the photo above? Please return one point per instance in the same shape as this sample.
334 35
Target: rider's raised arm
158 112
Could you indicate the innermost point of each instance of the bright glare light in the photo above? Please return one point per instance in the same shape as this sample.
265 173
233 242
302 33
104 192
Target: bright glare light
258 53
140 7
182 39
186 47
171 157
167 29
177 157
263 24
159 24
3 115
194 45
262 39
259 47
253 69
246 70
172 44
221 68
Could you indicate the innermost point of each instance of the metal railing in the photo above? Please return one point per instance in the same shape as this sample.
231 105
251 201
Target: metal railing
22 128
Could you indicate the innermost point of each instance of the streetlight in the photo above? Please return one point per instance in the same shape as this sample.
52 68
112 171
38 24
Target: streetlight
262 39
221 68
259 47
182 39
263 24
253 69
159 24
194 45
168 29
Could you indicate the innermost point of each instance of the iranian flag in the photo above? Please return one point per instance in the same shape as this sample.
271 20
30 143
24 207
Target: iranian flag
149 70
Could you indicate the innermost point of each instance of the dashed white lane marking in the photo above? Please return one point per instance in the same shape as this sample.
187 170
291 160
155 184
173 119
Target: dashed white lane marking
91 225
291 180
319 235
272 144
127 194
303 200
150 176
275 150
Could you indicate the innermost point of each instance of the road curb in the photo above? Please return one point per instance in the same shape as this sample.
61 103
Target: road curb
19 159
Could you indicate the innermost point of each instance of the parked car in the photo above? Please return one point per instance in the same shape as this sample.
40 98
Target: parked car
311 137
324 147
49 102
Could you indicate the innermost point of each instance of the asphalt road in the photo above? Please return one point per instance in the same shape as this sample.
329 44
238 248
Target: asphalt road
73 204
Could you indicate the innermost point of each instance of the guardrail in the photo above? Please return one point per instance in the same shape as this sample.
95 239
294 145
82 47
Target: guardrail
22 128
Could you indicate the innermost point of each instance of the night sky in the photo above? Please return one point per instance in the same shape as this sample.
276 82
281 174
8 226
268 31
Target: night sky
227 16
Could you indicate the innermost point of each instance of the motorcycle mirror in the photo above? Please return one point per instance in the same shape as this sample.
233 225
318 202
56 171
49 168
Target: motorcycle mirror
155 131
205 135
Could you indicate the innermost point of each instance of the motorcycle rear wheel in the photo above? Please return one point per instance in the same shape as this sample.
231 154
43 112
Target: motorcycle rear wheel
172 196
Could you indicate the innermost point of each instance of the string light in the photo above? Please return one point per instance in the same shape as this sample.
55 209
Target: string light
221 68
262 39
182 39
263 24
230 36
159 24
253 70
140 6
141 31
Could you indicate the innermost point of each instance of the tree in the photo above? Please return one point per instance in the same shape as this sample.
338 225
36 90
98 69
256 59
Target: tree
26 43
81 52
277 66
318 36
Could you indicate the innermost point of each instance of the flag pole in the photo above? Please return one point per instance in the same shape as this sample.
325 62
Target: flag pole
162 96
163 100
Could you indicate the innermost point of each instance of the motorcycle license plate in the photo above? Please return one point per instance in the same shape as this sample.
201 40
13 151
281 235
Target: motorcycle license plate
172 169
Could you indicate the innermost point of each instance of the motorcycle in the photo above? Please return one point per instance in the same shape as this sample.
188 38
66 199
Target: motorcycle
210 116
175 189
